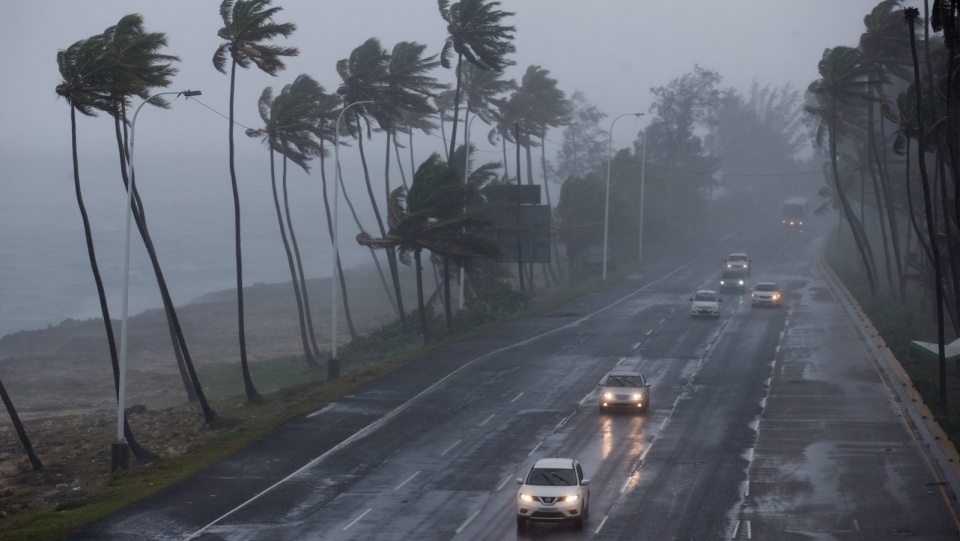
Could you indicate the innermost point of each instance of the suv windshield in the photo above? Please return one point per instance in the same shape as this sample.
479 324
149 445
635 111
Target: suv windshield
705 297
552 476
766 287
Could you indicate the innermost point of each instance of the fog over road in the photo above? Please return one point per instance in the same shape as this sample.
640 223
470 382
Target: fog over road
769 423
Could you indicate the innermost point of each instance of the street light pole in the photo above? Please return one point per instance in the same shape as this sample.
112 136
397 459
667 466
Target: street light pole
120 449
606 205
333 367
643 177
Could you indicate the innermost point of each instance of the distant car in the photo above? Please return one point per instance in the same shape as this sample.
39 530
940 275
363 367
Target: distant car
625 389
738 262
554 490
766 294
733 279
705 303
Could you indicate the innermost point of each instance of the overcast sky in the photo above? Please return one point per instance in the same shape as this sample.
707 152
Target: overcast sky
612 50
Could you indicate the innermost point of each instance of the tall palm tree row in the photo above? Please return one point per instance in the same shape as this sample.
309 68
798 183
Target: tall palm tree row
247 25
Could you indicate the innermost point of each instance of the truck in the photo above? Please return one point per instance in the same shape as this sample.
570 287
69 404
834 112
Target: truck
793 212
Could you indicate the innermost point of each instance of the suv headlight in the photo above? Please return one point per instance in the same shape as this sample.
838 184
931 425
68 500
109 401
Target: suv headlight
570 498
608 396
526 497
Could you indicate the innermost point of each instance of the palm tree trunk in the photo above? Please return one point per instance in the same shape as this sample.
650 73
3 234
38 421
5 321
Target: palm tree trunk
506 173
343 280
21 432
403 174
356 219
855 225
546 189
140 218
248 387
424 327
391 255
928 207
299 273
520 277
307 353
456 110
882 167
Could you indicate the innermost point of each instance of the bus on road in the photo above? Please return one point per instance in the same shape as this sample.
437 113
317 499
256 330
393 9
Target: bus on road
793 212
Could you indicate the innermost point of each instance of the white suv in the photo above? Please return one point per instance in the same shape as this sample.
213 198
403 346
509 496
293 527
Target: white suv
739 262
554 490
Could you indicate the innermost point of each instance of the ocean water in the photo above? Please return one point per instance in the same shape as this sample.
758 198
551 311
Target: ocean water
45 274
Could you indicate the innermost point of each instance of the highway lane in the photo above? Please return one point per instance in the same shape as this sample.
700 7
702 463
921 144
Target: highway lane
729 449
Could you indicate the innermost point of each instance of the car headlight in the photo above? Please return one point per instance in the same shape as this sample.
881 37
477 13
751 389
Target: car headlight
636 396
729 266
526 497
570 498
608 396
741 282
776 296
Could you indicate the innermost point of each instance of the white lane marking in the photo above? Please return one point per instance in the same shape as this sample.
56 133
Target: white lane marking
408 480
345 528
856 525
636 346
517 397
643 455
625 484
746 493
750 455
487 420
503 484
649 332
602 522
363 432
749 531
447 450
736 530
464 525
534 449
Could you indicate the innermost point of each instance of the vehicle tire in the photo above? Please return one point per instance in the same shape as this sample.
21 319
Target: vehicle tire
521 523
578 522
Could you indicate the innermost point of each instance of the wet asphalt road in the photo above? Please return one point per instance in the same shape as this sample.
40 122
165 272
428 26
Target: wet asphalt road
765 424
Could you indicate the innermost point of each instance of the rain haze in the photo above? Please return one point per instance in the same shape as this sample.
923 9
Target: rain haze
612 51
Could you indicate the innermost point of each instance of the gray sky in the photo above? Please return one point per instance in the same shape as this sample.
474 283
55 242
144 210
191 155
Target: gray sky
612 50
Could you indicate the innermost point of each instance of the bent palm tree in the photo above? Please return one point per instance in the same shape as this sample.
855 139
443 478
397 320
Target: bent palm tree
843 83
431 216
475 32
288 130
364 77
21 432
246 25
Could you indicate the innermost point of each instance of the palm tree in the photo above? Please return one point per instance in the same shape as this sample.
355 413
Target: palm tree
476 33
289 127
431 216
843 84
884 45
134 47
911 15
130 45
247 24
364 77
92 78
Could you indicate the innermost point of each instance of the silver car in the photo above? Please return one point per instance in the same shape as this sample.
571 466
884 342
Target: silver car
554 490
625 389
766 294
705 303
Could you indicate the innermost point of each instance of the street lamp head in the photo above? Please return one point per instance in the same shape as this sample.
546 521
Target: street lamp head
190 93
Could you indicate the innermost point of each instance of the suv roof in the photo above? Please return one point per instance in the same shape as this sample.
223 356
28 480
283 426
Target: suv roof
737 255
624 372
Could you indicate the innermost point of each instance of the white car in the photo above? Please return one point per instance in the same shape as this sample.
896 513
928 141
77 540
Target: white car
626 389
739 262
554 490
705 303
766 294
